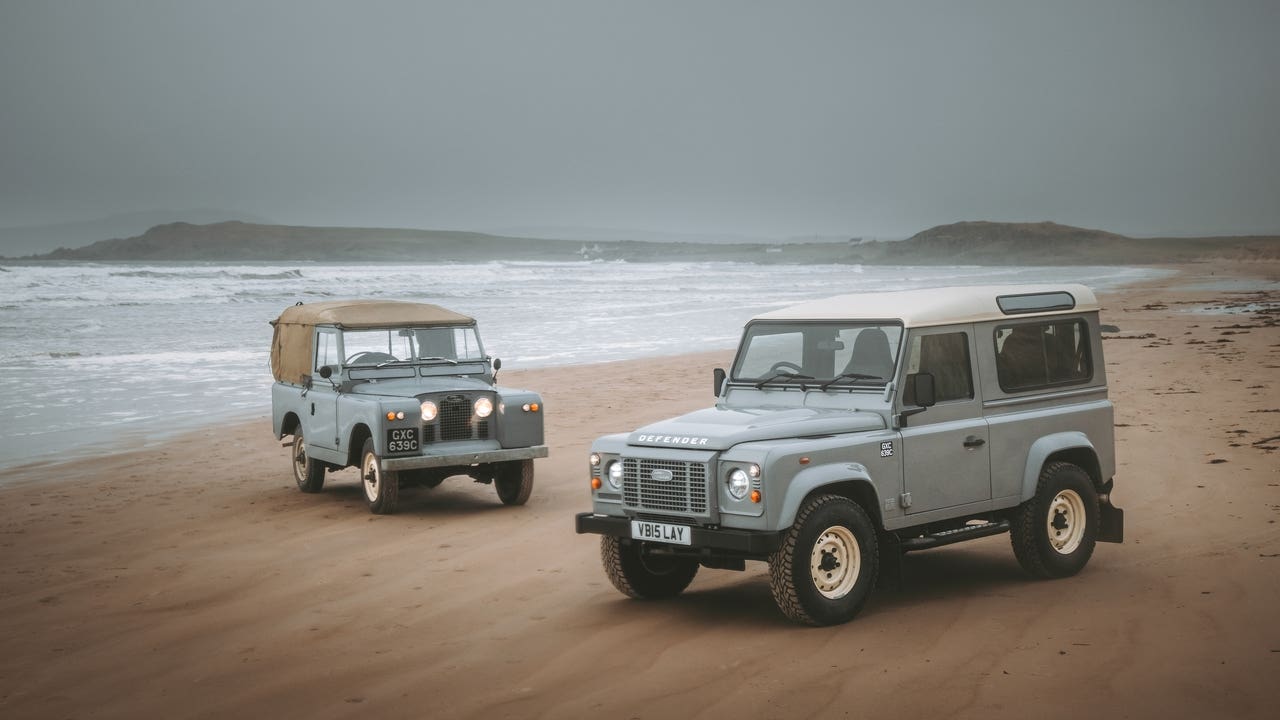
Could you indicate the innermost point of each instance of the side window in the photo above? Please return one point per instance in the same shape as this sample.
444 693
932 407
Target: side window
946 357
326 349
1042 355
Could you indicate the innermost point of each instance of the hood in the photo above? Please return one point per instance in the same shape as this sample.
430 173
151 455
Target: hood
721 428
418 386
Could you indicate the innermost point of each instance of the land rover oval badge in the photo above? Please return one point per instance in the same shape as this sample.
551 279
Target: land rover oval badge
661 475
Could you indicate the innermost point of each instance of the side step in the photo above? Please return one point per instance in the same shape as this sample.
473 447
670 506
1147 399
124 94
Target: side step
960 534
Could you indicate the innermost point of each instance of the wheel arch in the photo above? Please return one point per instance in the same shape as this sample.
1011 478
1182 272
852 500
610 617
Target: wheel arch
289 424
359 433
846 480
1072 447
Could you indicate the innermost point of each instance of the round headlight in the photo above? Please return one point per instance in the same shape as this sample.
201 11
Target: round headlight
739 483
484 407
429 411
615 475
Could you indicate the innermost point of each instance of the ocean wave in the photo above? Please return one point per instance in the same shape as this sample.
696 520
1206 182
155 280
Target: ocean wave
207 275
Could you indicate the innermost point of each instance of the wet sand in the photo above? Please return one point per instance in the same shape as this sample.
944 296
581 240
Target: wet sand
193 580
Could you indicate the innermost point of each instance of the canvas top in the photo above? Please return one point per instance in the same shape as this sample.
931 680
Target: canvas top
371 313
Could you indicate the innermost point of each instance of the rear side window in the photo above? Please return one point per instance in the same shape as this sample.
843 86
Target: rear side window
1035 356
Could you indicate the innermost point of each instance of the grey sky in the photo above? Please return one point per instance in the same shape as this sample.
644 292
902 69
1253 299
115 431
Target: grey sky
763 119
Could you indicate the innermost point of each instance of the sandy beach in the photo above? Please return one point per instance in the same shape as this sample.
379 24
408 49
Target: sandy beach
193 580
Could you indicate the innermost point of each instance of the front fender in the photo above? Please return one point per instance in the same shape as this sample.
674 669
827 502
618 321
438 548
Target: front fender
813 478
1042 449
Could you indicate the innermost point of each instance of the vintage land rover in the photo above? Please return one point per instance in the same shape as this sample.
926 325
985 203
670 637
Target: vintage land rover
404 392
853 429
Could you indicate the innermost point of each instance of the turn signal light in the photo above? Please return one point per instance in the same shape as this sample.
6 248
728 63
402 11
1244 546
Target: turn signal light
595 483
756 496
392 415
533 407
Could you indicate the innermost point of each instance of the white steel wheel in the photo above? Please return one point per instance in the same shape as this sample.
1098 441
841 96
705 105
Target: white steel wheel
835 562
381 488
308 472
1053 533
371 477
299 458
826 567
1066 522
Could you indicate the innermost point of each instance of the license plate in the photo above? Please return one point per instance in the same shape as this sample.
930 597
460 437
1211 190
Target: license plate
402 440
661 532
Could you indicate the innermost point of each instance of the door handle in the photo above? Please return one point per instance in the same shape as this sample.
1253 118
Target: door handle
974 441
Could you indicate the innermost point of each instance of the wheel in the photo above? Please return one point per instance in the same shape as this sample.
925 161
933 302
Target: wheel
827 565
307 472
381 489
1054 532
781 364
637 575
514 482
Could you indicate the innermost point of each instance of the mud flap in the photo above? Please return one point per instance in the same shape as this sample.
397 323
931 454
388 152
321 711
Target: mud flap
1110 522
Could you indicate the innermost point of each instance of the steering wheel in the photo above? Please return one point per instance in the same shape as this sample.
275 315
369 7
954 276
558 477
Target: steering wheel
784 364
369 356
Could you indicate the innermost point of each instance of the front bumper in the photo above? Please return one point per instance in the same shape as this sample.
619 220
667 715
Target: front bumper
417 462
747 542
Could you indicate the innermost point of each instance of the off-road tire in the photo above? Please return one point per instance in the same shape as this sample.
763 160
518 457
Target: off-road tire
636 575
381 488
829 529
307 471
1046 536
514 482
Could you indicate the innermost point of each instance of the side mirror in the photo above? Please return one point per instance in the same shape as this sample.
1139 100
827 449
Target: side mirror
922 389
497 364
326 371
717 377
920 394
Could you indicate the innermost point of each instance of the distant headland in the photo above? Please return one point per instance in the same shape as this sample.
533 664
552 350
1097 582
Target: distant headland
962 243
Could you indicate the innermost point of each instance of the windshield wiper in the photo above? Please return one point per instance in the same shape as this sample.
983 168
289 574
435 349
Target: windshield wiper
777 376
385 363
451 361
849 376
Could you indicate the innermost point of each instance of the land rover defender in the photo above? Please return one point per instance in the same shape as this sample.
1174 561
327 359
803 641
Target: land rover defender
853 429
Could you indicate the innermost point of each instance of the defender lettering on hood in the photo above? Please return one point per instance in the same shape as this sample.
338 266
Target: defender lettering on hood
674 440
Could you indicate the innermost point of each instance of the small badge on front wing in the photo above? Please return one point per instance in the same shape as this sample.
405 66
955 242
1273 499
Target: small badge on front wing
886 449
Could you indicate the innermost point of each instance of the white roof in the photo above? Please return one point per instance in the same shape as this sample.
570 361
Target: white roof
932 306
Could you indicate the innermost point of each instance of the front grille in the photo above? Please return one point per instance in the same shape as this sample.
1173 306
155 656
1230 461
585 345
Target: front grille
455 421
455 418
685 492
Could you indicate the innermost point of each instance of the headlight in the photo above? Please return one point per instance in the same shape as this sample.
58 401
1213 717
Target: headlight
615 475
739 483
484 407
429 411
595 460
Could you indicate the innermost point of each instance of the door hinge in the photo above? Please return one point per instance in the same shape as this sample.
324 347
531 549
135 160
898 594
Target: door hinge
905 500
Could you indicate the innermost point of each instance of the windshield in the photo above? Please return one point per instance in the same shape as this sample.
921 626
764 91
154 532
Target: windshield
407 345
818 352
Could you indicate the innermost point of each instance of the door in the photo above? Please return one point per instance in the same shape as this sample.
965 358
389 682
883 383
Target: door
946 457
322 398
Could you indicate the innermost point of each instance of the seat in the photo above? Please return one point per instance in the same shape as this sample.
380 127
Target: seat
1021 361
871 354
